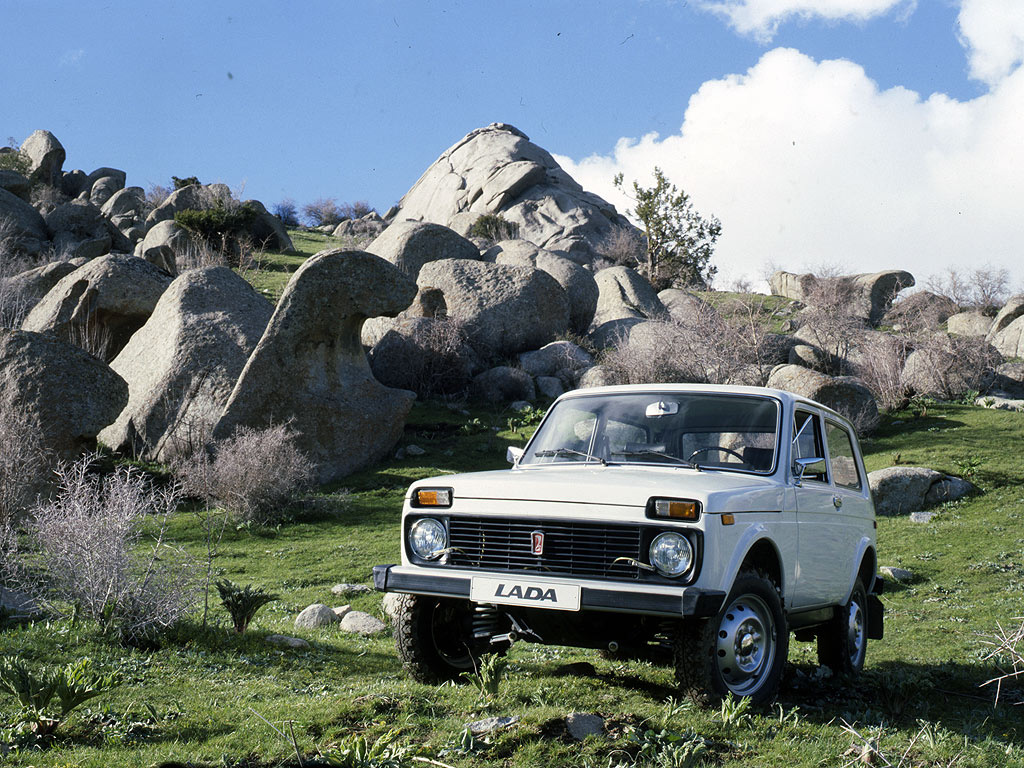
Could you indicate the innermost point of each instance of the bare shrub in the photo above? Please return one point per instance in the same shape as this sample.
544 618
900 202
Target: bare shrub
829 324
25 463
430 361
287 212
323 210
101 549
986 287
623 247
355 210
45 198
950 367
156 195
881 369
254 474
1007 652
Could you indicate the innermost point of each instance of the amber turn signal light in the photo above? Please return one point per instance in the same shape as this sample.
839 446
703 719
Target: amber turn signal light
432 497
676 509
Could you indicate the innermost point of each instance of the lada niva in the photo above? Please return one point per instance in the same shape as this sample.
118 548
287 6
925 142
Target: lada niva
700 523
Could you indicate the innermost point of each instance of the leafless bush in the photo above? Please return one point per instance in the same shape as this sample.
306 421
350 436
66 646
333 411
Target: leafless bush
89 541
24 461
253 474
199 254
881 369
431 358
156 195
323 210
1007 651
355 210
949 367
829 324
45 198
987 287
623 247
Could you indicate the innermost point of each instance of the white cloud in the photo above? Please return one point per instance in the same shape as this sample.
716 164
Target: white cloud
72 58
808 163
993 33
761 18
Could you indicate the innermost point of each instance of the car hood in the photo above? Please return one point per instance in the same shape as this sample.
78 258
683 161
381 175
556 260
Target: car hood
616 485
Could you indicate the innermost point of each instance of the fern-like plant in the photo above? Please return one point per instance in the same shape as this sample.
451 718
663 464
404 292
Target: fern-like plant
48 696
242 603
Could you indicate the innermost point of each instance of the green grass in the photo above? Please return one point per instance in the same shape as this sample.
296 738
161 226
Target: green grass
204 696
273 269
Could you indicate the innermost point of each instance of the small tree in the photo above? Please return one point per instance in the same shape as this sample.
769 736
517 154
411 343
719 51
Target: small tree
323 210
287 213
680 241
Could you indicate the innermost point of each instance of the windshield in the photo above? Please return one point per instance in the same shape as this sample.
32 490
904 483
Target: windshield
698 429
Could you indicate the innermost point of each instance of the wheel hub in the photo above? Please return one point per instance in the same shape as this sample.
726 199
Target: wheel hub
746 644
855 632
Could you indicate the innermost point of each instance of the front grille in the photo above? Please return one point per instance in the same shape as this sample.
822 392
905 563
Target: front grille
570 548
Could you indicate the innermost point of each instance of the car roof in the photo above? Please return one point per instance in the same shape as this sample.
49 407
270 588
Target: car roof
789 399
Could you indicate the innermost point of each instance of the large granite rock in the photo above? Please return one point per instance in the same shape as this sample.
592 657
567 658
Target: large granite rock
427 355
15 183
577 282
923 310
79 229
972 323
70 393
46 156
25 222
683 306
1013 309
503 384
870 295
163 244
902 490
948 367
846 395
497 170
504 310
624 299
561 359
194 197
1009 341
309 367
182 365
101 304
26 289
411 244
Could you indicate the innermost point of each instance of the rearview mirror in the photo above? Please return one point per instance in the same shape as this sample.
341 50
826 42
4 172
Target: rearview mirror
800 467
661 408
514 454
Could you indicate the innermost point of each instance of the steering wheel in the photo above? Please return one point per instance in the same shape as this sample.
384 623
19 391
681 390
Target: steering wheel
689 459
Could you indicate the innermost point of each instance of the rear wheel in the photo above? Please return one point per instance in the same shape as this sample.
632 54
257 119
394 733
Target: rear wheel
434 637
741 651
843 641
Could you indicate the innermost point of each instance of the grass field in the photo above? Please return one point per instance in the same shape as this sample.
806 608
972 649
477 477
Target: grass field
273 270
210 697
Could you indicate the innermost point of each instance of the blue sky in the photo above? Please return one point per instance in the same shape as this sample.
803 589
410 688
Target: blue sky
898 115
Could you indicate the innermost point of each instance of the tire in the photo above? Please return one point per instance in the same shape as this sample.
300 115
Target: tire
843 641
433 637
741 651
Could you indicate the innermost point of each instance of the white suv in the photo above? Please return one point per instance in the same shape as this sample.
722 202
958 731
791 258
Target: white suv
701 522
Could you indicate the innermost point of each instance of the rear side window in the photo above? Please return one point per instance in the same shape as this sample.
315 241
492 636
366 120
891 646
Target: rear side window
840 451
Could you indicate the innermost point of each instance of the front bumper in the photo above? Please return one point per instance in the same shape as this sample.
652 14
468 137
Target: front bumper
677 602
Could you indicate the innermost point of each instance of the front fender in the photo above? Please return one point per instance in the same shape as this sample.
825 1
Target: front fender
752 536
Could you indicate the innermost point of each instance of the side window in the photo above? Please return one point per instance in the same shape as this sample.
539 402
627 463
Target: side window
840 451
807 444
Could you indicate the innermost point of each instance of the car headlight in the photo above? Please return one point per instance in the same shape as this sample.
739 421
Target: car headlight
428 538
671 554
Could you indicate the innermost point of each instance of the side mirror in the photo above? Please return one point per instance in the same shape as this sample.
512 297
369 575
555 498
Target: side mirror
800 467
513 454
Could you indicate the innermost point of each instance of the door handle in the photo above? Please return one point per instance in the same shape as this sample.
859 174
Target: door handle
837 501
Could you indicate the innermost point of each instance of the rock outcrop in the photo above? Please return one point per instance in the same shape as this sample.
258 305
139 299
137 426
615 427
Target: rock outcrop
46 156
70 393
309 367
182 365
846 395
411 244
624 299
870 295
902 490
26 224
497 170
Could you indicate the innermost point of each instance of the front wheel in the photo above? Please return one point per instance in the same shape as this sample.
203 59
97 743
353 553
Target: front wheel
741 651
434 637
843 641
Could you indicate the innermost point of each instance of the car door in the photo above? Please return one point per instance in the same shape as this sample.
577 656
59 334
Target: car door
820 537
854 514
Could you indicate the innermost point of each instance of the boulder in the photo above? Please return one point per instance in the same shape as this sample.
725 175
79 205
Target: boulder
364 228
577 282
68 391
315 616
29 287
127 202
948 367
846 395
429 356
310 369
504 310
163 244
497 170
582 724
902 490
1009 380
900 575
361 623
1000 403
871 295
15 183
101 304
116 175
411 244
549 386
683 306
284 641
596 376
79 229
503 384
923 310
1009 341
182 365
624 299
73 183
429 303
27 225
46 157
268 231
194 197
562 359
103 189
1013 309
971 323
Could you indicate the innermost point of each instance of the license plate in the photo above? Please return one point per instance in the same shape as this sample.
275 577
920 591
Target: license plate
561 597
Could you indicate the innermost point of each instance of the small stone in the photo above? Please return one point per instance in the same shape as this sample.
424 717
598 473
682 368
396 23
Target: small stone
921 517
390 605
362 623
549 386
283 641
491 724
581 725
341 611
316 615
414 450
349 589
901 575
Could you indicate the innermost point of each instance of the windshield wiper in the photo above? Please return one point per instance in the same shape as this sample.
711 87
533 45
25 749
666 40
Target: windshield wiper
660 454
570 452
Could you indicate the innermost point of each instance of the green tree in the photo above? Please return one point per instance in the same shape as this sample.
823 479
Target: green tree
680 241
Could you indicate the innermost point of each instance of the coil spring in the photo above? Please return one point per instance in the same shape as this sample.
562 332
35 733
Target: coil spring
485 620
